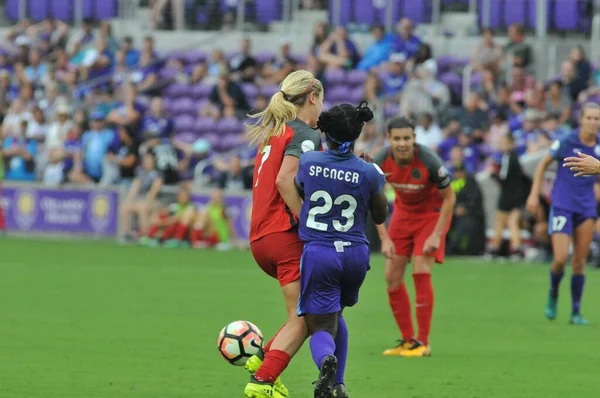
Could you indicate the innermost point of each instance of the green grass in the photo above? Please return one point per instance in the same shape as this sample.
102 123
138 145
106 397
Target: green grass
92 319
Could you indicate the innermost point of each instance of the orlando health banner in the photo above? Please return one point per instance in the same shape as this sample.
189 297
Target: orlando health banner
49 210
239 208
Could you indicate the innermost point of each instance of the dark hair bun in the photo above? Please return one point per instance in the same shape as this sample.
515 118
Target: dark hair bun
326 121
365 114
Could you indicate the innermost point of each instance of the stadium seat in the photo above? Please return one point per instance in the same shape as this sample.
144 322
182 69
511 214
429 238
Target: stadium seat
338 94
229 126
356 77
268 11
105 9
205 125
250 90
195 57
37 10
264 56
335 77
178 90
364 12
345 12
188 137
418 11
184 123
515 11
201 90
495 13
167 73
566 14
269 89
357 95
184 106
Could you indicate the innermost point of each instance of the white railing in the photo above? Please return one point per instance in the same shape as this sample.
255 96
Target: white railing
595 39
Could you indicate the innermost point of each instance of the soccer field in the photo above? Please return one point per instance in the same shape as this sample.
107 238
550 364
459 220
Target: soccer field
93 319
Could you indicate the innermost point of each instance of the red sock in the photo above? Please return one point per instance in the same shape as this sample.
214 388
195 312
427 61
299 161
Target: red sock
195 235
424 304
268 346
169 231
273 366
2 220
400 303
180 231
152 231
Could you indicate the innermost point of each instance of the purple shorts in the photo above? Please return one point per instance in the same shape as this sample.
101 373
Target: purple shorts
566 222
331 277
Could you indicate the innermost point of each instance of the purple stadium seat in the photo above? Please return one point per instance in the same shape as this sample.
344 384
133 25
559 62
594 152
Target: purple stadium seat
345 12
231 141
356 77
364 12
391 110
338 94
269 89
445 63
37 10
106 9
268 11
184 123
250 90
514 11
201 90
168 72
61 9
357 95
229 126
335 77
177 90
264 56
205 125
417 11
532 14
184 106
453 81
88 8
188 137
201 103
12 10
195 57
301 59
213 138
566 14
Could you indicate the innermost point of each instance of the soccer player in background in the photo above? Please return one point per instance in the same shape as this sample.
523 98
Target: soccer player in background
211 226
573 209
338 189
420 220
283 132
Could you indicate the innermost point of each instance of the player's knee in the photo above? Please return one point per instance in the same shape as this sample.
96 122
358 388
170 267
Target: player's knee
394 277
423 264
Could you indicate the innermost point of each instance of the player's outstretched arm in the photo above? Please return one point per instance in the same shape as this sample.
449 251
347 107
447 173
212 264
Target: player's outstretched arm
533 201
286 185
582 165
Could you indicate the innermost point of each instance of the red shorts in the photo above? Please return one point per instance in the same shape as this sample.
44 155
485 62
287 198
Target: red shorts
278 254
410 233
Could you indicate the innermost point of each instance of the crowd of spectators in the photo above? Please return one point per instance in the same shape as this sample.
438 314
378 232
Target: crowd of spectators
85 108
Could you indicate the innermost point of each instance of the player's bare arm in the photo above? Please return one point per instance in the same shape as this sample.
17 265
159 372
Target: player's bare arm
379 208
533 201
582 165
449 200
286 185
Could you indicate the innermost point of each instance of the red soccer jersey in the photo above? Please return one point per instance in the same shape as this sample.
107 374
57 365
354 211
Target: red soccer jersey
270 214
417 184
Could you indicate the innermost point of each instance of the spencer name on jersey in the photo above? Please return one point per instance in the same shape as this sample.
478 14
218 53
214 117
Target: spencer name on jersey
337 190
333 174
575 194
269 212
416 184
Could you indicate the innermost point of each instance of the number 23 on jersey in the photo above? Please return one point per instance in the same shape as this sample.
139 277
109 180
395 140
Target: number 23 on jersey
348 202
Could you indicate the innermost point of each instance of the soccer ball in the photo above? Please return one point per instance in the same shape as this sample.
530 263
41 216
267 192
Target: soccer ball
238 341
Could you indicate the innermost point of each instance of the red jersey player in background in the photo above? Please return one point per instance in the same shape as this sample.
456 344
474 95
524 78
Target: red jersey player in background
283 132
418 227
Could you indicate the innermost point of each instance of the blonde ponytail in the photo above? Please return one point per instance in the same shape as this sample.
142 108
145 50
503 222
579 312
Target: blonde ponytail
283 106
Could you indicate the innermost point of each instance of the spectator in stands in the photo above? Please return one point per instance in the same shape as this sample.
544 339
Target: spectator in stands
378 51
106 33
65 162
119 164
498 129
451 132
369 141
529 138
387 86
467 232
423 59
141 198
244 65
96 143
339 51
37 128
426 93
487 54
228 97
233 176
58 130
157 137
145 76
428 132
131 54
320 33
583 67
209 72
553 127
84 37
280 66
128 112
405 41
19 154
521 82
490 86
36 70
520 51
471 153
558 101
473 114
148 47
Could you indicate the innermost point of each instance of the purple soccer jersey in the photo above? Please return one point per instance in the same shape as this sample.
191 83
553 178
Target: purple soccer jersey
337 189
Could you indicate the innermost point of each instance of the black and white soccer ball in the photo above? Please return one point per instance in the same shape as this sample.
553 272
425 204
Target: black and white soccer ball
238 341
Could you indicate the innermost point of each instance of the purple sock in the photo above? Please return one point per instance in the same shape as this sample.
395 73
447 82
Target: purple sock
577 282
341 349
321 345
555 279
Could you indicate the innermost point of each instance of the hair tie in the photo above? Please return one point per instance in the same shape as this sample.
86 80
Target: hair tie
285 97
360 106
344 148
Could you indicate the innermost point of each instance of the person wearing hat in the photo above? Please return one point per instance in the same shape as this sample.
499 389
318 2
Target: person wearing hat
96 142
